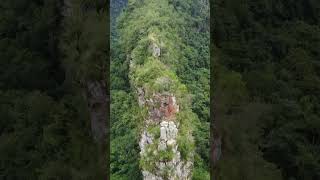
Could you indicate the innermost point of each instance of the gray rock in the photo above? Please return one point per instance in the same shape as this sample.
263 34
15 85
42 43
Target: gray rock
172 131
179 169
141 99
163 133
156 51
162 145
171 142
164 124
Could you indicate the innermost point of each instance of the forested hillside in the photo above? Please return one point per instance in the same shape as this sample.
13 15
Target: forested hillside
160 53
265 82
45 56
266 89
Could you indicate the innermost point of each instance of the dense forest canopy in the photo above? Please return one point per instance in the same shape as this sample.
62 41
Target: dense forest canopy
266 88
45 130
264 71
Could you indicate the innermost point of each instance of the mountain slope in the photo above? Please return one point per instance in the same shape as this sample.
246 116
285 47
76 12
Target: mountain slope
158 52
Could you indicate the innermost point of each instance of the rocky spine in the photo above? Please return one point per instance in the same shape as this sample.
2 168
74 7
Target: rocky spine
154 50
160 156
159 139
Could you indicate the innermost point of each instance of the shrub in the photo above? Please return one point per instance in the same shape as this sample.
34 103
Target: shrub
155 131
166 155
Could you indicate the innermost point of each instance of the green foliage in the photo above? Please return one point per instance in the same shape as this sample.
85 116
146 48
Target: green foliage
166 155
185 147
41 138
180 29
156 77
28 46
200 174
126 117
268 56
159 19
44 130
150 157
81 42
185 140
155 131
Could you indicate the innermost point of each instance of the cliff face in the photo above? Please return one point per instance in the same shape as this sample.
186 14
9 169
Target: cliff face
160 156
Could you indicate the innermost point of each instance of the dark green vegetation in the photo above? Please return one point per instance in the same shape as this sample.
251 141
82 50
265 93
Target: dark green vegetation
44 121
266 89
184 27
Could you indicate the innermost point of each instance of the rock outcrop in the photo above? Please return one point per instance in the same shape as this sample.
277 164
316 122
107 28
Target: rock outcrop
166 142
159 140
156 51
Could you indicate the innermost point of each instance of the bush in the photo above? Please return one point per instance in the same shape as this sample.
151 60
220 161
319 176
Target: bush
200 174
166 155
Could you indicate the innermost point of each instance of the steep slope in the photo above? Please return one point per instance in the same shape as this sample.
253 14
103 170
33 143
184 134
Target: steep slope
153 48
160 55
160 139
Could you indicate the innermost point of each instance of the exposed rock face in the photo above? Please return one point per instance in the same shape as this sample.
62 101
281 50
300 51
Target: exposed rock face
156 52
158 87
141 99
168 163
97 102
161 106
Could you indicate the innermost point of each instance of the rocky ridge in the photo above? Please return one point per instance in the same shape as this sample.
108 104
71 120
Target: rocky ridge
167 121
160 156
159 139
